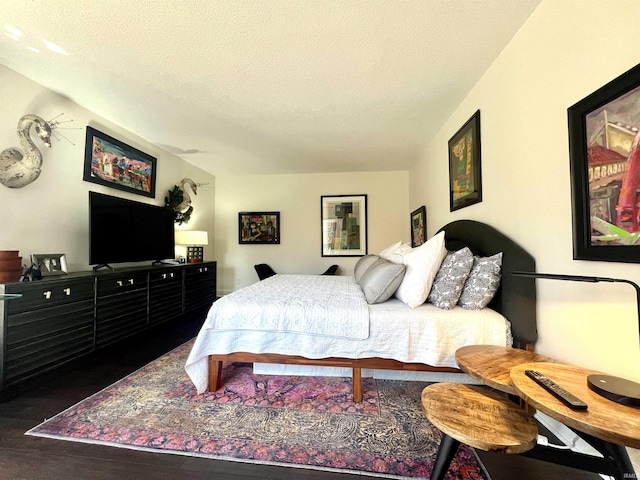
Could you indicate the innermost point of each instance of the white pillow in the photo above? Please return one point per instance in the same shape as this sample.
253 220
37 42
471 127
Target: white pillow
422 265
396 254
389 249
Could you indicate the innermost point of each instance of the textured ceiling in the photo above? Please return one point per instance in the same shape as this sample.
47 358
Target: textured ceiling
265 86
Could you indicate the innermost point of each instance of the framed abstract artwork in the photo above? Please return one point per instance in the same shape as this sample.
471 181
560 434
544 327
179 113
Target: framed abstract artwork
258 228
604 151
418 226
465 179
115 164
343 225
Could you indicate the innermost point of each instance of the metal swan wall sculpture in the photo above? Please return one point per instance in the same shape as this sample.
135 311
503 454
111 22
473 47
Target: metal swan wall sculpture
180 201
17 169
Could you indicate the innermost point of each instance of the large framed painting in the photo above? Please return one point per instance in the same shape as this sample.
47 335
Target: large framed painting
418 226
465 179
604 150
344 225
258 228
112 163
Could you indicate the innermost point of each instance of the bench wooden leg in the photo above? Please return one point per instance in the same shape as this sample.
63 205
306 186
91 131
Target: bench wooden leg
356 383
215 374
446 452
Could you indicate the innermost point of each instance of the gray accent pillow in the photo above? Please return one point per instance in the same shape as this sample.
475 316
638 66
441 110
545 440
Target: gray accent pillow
483 282
450 279
381 280
363 264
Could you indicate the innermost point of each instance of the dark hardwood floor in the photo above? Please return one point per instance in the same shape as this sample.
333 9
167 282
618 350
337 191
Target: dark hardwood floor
26 457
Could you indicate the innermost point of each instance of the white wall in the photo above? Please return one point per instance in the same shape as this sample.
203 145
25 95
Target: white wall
565 51
297 198
50 215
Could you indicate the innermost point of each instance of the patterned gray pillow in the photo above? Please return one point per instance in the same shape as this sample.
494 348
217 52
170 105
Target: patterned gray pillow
450 279
362 265
483 282
381 280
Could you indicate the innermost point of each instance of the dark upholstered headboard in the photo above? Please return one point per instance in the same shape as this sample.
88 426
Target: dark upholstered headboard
516 297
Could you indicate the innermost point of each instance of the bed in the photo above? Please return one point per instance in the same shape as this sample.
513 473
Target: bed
393 336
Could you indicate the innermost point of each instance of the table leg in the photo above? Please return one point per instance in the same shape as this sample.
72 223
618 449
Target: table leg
446 452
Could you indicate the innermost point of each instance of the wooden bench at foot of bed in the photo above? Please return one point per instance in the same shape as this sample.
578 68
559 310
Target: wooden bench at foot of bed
356 365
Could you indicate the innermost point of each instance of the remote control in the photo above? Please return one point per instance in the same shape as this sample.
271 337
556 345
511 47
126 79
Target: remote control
556 390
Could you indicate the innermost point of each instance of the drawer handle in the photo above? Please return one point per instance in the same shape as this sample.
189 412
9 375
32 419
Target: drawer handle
131 281
164 275
47 294
119 282
67 291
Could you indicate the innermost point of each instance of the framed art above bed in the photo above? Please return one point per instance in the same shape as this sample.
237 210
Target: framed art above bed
465 177
344 225
604 150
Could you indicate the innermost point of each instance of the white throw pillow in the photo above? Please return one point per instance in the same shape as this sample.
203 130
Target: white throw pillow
397 253
389 250
422 265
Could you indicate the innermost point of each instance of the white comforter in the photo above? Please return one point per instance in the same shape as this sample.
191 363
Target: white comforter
425 334
295 304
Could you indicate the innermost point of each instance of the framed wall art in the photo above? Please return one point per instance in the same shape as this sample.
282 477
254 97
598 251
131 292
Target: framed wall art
50 263
115 164
418 226
258 227
465 179
343 225
604 151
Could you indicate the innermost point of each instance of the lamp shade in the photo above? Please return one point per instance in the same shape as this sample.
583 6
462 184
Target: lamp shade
192 237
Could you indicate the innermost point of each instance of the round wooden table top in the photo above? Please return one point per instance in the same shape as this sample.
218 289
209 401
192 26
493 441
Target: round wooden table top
491 364
479 417
604 418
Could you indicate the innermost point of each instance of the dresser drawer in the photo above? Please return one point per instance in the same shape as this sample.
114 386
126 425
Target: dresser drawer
122 283
36 295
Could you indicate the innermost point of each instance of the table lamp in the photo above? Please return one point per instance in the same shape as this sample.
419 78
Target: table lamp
619 390
194 239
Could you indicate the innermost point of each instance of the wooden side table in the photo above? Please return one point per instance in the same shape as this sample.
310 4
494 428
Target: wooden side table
491 364
604 426
604 419
478 417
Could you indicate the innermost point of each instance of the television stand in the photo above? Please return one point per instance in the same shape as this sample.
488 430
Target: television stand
98 267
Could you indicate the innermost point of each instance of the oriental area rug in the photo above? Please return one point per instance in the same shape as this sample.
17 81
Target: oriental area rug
293 421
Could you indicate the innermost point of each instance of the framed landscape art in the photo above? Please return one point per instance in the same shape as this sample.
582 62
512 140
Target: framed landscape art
465 179
343 225
604 150
115 164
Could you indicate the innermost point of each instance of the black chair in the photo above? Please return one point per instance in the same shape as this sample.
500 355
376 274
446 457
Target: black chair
264 271
331 270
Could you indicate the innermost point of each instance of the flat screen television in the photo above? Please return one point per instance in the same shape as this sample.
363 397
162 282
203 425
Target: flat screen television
122 230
